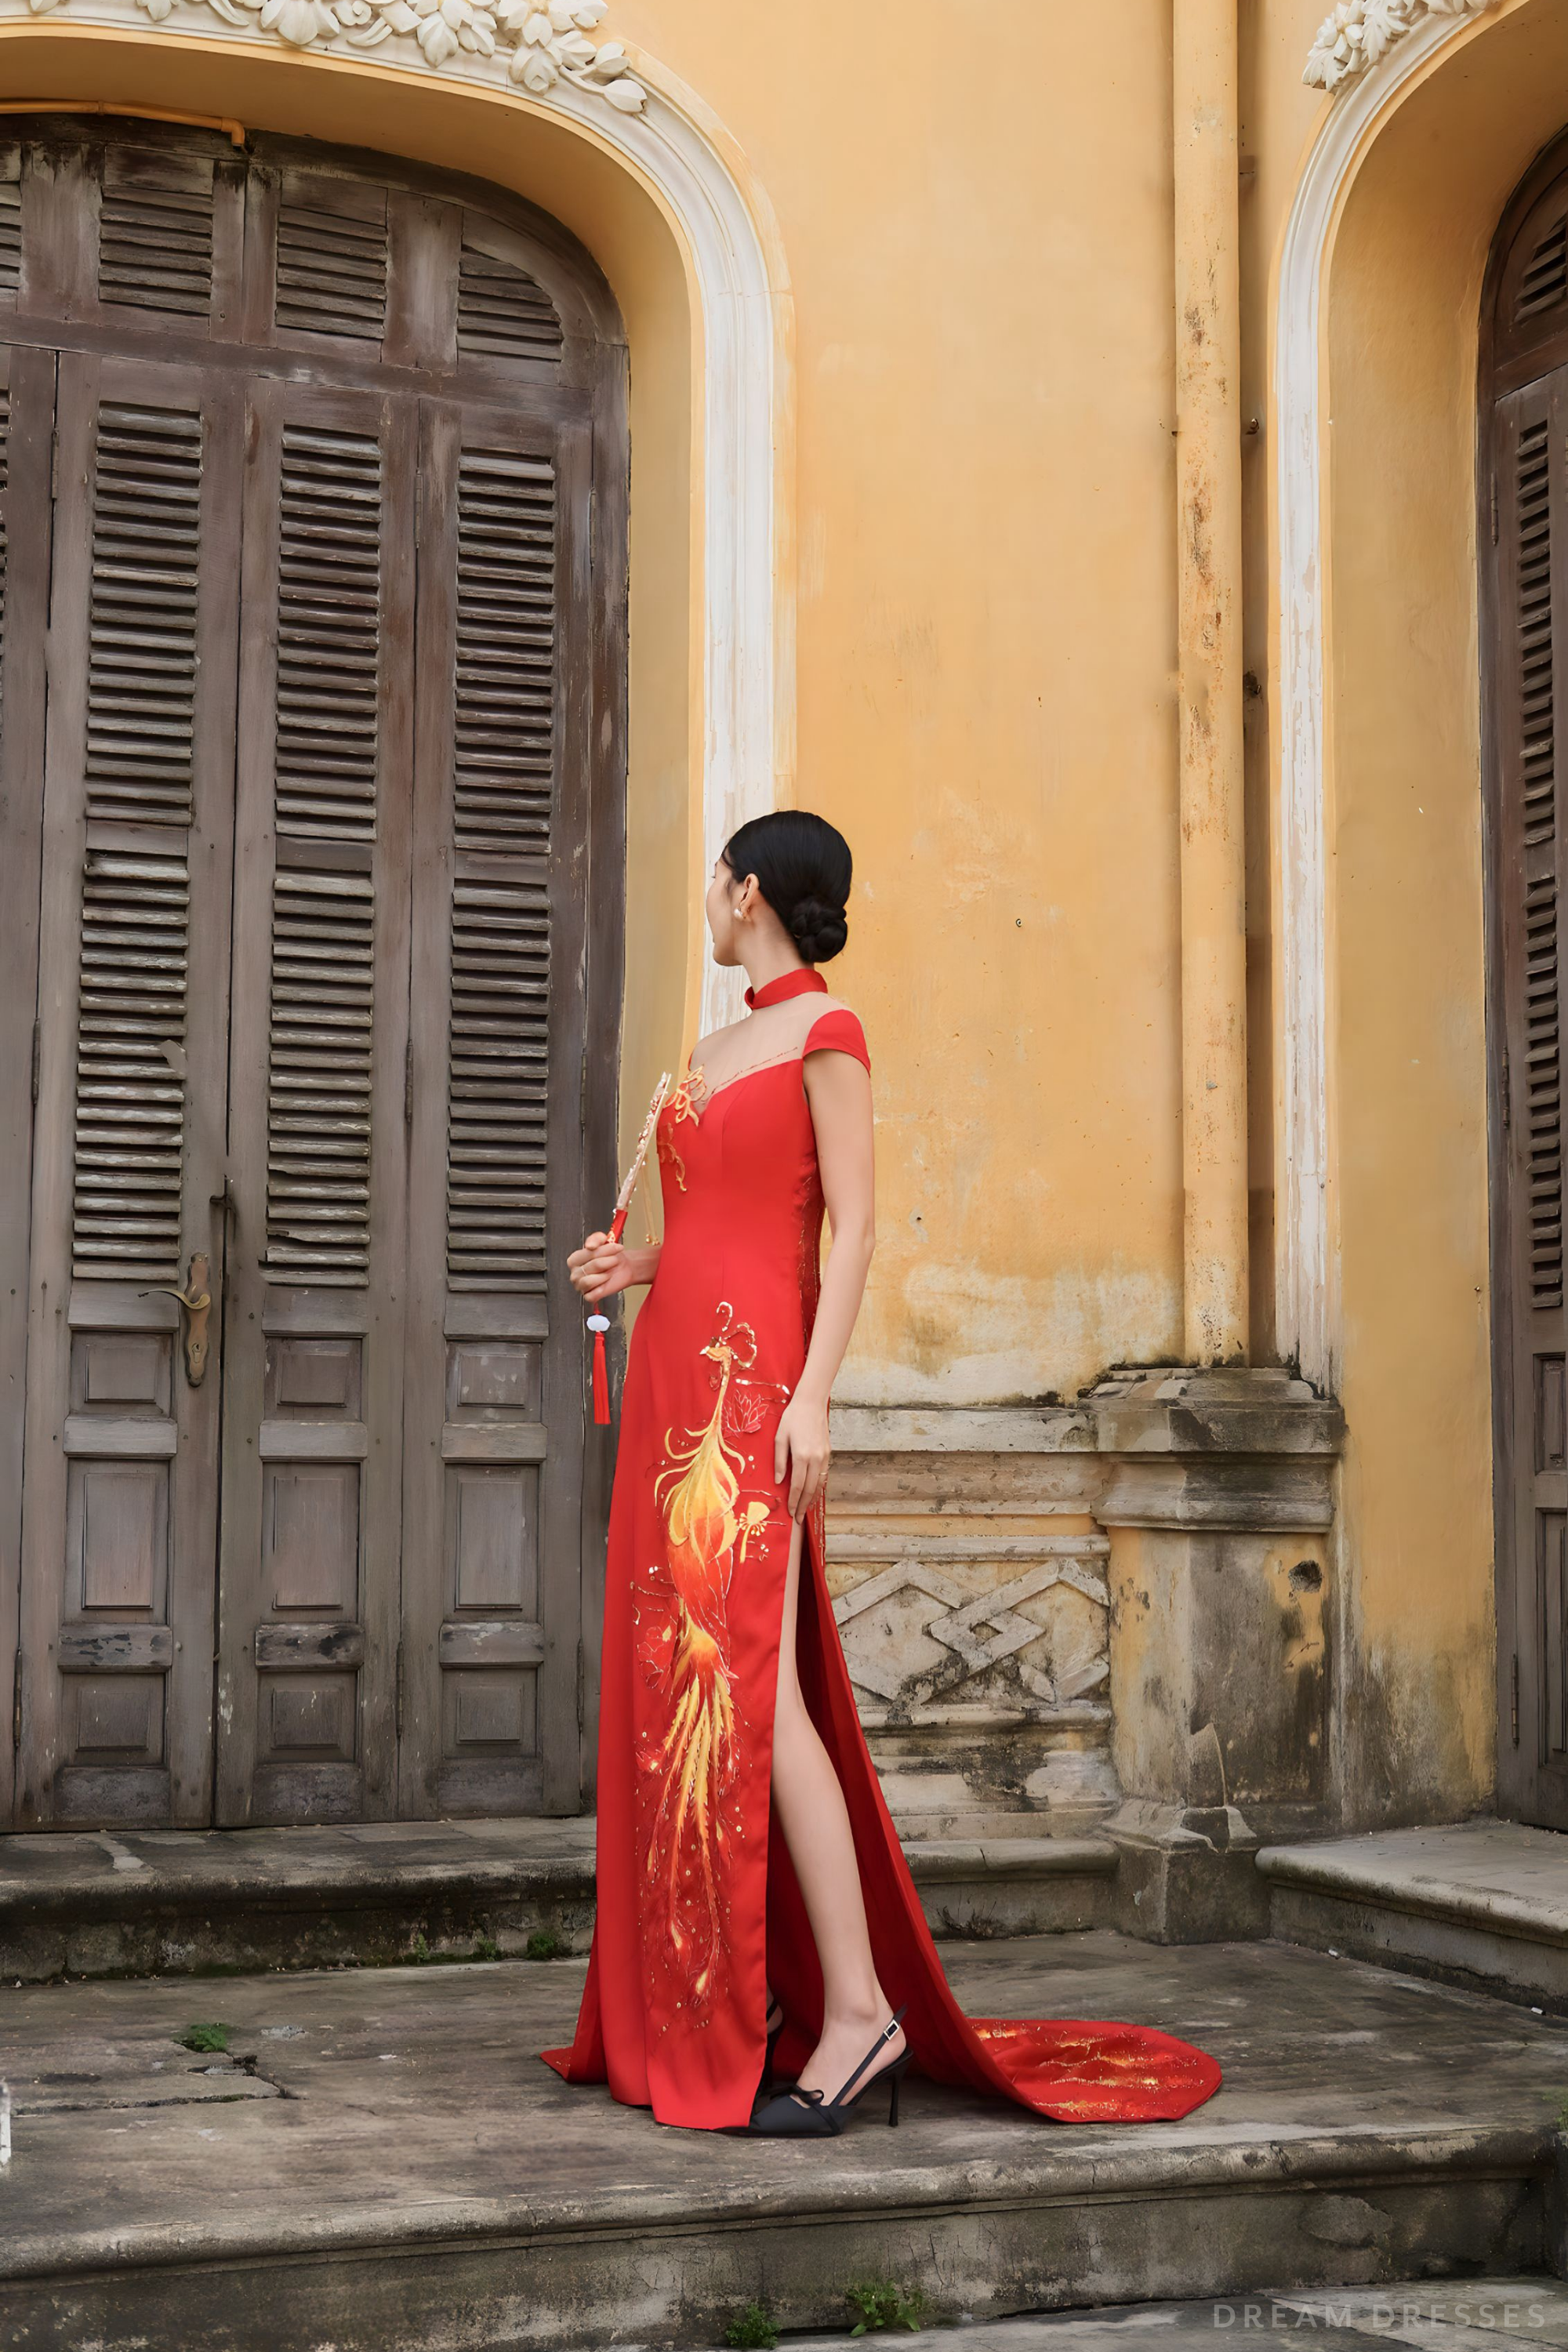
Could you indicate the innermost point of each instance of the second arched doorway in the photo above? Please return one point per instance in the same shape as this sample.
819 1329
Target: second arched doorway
1524 542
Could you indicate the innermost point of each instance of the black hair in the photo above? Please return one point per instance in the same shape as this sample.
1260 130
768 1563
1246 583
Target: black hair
804 870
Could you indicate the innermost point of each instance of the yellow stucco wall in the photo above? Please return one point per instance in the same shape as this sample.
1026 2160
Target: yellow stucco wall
985 642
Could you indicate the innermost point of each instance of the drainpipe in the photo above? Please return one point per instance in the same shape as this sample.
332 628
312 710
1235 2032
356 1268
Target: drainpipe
1208 620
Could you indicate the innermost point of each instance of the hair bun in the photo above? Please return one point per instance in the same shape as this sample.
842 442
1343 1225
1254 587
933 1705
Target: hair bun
804 870
817 928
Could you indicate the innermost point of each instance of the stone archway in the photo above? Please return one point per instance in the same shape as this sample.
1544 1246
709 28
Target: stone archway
1381 1036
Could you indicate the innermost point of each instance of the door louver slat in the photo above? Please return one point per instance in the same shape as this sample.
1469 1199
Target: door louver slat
142 673
1536 787
130 1099
1544 1093
502 312
1537 783
331 273
319 1078
505 749
155 250
1545 279
10 236
497 1087
329 633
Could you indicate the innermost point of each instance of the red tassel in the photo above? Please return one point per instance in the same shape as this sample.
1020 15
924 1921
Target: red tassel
601 1382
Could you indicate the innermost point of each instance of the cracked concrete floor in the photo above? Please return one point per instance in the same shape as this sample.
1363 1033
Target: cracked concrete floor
377 2107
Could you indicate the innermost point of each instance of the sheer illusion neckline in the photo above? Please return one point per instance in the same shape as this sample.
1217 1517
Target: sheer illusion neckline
699 1093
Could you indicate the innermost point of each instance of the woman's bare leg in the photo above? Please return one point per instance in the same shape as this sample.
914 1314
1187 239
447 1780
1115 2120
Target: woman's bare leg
816 1824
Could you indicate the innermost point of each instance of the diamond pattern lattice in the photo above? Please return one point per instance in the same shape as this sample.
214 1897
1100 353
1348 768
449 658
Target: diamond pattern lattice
913 1632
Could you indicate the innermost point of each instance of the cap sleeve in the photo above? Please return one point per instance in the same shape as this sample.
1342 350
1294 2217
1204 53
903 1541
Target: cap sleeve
837 1033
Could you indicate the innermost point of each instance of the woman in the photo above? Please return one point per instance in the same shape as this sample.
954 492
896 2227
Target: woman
723 1683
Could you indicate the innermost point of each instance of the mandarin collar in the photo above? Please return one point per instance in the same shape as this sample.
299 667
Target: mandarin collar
788 984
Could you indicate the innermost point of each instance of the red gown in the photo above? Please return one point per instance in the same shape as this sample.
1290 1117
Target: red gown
698 1911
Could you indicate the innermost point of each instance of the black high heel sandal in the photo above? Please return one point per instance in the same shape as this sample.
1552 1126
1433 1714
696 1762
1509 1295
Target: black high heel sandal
807 2115
772 2031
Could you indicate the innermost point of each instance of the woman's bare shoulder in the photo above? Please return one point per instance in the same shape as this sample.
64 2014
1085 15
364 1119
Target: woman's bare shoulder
788 1025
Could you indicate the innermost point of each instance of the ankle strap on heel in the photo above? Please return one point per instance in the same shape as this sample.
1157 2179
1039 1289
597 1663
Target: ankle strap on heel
875 2051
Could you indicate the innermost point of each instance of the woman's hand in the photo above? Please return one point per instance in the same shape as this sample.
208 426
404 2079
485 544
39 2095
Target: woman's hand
802 1447
602 1266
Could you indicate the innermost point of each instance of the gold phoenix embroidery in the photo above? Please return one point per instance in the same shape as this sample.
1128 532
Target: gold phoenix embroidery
684 1105
696 1759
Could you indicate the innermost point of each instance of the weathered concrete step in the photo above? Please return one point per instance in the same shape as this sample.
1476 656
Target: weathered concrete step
1008 1885
421 2181
186 1902
1482 1904
1484 2314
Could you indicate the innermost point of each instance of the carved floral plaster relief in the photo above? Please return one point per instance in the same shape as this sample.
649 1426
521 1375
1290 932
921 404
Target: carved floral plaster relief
544 43
1360 32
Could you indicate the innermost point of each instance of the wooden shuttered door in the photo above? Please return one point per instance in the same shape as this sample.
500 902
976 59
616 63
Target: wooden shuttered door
1525 574
120 1472
502 763
324 654
314 1427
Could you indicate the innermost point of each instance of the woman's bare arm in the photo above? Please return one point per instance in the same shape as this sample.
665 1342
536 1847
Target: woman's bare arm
838 1090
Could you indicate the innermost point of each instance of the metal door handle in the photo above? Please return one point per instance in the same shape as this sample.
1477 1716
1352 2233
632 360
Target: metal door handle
195 1306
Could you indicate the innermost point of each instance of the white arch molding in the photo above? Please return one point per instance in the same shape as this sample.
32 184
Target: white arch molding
671 143
1307 1287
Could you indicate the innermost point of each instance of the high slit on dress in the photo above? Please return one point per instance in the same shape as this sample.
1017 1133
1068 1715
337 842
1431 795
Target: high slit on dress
699 1910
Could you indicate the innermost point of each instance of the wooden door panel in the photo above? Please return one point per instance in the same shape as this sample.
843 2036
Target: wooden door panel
120 1486
141 236
313 1537
27 430
492 1542
493 1413
117 1538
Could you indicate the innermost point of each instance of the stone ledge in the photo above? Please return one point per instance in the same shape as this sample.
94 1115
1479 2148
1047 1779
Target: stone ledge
1074 1715
1218 1493
131 1873
1259 1409
963 1429
186 1902
1481 1904
193 1902
995 1884
1496 1875
935 1861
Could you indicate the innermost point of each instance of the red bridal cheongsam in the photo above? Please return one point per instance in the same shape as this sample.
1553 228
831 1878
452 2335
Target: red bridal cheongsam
698 1907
